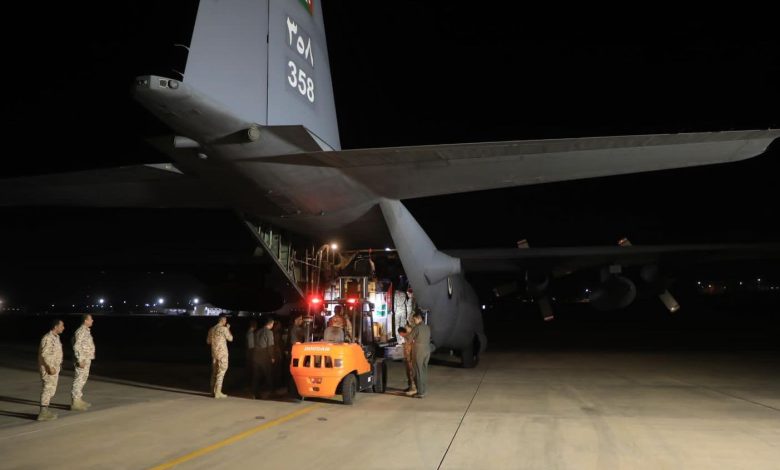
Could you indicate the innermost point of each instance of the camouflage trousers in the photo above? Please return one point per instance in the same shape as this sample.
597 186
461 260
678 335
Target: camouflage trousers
219 366
80 378
49 382
409 366
409 373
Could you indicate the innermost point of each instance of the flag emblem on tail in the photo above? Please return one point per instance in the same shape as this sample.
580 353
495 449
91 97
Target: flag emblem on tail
309 5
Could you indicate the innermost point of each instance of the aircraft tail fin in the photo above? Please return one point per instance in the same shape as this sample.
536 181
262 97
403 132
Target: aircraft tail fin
439 284
424 263
267 62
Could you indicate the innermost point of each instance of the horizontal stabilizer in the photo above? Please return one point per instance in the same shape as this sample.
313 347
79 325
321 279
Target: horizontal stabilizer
409 172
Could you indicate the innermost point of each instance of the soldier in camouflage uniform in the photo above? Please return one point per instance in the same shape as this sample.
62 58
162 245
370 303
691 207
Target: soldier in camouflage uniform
83 354
49 364
218 337
404 332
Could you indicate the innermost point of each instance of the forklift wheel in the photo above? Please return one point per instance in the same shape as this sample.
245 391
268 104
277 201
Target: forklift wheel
380 377
349 389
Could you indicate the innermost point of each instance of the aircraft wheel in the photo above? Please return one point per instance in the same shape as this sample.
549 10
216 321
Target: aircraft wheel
470 355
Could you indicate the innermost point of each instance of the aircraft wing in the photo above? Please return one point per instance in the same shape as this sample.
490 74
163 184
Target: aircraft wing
563 260
410 172
152 186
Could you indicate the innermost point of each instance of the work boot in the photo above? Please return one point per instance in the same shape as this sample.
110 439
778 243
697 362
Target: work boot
79 405
412 392
46 415
218 394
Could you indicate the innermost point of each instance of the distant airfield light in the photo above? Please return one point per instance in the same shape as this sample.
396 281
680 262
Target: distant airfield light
334 246
387 249
759 279
483 307
102 301
160 301
196 301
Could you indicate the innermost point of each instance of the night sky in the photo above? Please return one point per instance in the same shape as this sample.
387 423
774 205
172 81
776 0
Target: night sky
410 73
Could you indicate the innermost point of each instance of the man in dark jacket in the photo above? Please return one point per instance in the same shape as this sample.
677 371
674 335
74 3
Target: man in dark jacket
421 354
264 359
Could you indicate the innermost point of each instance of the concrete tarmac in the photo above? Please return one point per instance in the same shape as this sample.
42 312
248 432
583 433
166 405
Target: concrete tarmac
516 410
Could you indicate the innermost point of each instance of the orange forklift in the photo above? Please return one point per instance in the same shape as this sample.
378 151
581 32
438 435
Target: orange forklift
325 369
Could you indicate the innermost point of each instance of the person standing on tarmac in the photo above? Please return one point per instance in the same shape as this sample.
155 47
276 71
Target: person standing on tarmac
250 351
410 387
264 359
218 337
49 364
421 354
278 353
297 332
83 355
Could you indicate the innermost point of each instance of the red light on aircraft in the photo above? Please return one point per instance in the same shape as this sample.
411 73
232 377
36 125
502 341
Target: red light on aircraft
315 301
351 301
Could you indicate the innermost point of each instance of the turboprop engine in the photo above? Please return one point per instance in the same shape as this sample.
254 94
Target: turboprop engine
615 292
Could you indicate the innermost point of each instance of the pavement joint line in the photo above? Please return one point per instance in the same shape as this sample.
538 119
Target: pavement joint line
465 412
737 397
232 439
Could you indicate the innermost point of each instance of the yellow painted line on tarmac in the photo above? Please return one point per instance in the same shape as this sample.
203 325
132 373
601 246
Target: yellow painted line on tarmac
233 439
